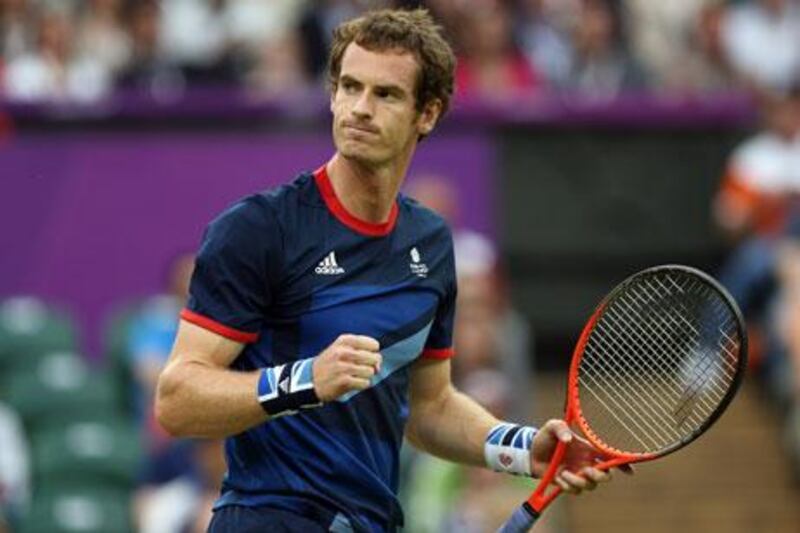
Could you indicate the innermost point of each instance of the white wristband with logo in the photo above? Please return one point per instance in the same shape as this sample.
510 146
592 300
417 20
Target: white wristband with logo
508 448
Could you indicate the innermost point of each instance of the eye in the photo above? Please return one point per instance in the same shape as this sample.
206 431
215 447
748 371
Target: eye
387 94
349 86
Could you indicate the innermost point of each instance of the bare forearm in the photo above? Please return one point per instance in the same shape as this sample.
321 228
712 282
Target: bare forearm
453 427
195 400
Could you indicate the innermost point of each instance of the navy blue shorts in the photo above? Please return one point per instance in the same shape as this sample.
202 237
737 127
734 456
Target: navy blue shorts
240 519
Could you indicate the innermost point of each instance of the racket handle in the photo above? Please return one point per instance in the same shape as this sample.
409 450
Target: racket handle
521 521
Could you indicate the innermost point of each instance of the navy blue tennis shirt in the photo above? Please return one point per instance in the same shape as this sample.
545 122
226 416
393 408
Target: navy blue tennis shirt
289 270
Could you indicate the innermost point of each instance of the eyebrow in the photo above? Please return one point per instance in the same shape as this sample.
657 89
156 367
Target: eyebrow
392 88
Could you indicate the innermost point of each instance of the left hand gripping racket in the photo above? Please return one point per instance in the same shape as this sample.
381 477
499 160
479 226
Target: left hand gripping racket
656 365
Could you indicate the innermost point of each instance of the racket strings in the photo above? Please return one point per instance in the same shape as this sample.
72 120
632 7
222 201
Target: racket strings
724 323
658 363
666 358
669 329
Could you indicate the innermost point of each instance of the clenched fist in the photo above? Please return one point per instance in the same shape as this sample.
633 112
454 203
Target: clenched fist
347 364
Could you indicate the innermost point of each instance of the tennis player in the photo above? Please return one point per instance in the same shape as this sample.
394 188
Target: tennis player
319 326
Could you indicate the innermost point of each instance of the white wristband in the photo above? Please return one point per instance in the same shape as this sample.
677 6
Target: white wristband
508 448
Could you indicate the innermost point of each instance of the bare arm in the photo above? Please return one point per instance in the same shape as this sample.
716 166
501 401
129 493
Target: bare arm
444 421
198 395
453 426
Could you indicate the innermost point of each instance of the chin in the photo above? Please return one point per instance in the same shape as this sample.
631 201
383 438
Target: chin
359 153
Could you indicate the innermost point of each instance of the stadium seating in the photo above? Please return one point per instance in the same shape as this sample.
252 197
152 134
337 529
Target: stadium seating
60 386
86 451
79 510
117 358
29 329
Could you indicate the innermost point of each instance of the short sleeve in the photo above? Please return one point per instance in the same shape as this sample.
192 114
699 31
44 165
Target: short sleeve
440 339
230 290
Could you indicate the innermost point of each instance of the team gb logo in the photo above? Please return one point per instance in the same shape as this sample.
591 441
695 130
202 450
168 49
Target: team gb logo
420 269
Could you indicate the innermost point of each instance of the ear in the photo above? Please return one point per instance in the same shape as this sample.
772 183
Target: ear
428 117
333 96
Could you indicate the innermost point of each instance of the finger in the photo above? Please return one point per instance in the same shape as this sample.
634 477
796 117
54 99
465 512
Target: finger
583 441
564 486
359 371
360 342
596 475
354 383
578 482
559 429
364 357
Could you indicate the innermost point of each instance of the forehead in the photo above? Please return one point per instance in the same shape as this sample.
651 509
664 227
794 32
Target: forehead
388 67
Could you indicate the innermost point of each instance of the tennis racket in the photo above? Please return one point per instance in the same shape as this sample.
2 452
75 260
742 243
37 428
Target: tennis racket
656 365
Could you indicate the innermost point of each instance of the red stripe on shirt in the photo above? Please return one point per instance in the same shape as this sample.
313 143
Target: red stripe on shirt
220 329
344 216
438 353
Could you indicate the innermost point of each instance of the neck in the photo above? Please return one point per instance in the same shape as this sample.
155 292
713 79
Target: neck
367 193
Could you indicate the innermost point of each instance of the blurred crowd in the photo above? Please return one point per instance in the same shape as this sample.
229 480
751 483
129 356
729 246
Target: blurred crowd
85 50
757 209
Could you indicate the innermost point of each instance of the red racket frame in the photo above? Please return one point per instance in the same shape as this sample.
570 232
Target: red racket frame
541 498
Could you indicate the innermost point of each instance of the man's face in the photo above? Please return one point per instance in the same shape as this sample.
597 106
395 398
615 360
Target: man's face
375 119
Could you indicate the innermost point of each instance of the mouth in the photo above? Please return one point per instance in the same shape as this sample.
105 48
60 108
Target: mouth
359 128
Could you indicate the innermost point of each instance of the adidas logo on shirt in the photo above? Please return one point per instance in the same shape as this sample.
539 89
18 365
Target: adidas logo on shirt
329 266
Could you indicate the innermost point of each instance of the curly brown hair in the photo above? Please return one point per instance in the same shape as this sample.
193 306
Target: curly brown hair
414 31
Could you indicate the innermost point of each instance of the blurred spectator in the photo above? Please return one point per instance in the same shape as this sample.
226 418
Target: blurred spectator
762 42
601 65
490 65
170 501
544 41
193 32
757 208
152 334
280 69
101 35
51 71
174 479
316 28
438 193
76 50
489 332
448 14
680 43
14 470
251 23
195 36
15 28
763 175
706 67
149 70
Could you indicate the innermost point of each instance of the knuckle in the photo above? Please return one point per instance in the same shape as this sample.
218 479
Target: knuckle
344 338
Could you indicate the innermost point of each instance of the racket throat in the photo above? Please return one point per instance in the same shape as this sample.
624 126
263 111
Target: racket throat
546 491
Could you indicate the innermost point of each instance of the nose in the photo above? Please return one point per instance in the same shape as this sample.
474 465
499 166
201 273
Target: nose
362 107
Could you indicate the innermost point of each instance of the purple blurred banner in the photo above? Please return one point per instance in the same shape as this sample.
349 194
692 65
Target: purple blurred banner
546 108
90 221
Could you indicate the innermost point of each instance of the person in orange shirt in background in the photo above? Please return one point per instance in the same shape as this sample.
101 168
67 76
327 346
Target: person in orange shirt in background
758 208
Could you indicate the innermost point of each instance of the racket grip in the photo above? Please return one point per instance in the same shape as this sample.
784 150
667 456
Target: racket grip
521 521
